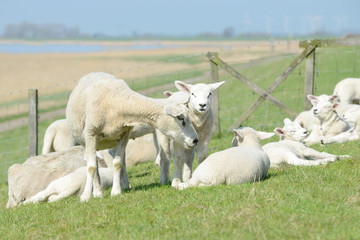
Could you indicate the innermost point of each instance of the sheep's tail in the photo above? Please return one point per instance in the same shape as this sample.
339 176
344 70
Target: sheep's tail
48 142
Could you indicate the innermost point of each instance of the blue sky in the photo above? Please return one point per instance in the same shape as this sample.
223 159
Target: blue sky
187 17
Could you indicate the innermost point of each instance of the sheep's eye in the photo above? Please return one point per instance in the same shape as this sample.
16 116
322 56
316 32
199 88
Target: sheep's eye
209 95
193 94
181 118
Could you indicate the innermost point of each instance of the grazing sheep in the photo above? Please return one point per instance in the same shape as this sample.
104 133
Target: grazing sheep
58 137
35 174
330 122
291 150
202 118
70 184
102 111
246 162
348 90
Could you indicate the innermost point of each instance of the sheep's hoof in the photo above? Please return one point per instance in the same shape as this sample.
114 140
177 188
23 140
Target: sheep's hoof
85 198
175 183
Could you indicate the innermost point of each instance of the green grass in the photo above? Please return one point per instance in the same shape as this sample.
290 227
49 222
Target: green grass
293 202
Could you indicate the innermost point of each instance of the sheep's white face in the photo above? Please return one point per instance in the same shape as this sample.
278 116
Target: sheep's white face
292 131
200 94
178 125
322 105
352 115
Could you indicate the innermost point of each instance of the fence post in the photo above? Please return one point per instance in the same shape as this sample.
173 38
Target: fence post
33 122
309 77
214 72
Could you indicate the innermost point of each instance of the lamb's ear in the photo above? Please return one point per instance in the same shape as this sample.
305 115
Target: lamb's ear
333 98
335 105
279 131
173 110
313 99
184 87
167 93
264 135
287 121
216 85
234 142
238 133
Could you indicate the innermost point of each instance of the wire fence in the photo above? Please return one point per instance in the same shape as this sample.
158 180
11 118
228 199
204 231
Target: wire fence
262 63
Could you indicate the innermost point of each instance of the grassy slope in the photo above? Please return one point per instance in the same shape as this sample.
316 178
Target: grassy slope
292 203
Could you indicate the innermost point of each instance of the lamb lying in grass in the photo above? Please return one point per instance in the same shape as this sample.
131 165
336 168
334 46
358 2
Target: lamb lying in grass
246 162
291 150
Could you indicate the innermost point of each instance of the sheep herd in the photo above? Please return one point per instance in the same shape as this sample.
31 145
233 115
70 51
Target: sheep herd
107 123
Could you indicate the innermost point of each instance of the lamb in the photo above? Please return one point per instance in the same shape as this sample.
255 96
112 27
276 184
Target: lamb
58 137
330 122
101 112
35 174
70 184
246 162
291 150
348 90
202 118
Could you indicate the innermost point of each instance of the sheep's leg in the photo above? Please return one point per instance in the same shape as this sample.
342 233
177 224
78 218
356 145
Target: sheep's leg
201 151
90 155
157 149
189 158
120 179
178 164
294 160
310 154
341 138
165 156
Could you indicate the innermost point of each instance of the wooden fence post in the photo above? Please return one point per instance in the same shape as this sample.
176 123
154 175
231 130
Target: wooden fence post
309 78
214 71
33 122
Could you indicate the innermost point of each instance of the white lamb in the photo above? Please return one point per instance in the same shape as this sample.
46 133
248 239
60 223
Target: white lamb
202 118
291 150
35 174
102 111
348 90
246 162
58 137
330 122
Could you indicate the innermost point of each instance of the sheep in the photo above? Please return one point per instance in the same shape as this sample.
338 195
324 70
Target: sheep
202 118
352 116
70 184
101 112
58 137
330 122
245 162
35 174
291 150
348 90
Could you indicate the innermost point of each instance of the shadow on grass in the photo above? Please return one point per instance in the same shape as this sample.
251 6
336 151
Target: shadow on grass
148 186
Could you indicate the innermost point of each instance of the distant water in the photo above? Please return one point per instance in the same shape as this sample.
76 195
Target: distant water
71 48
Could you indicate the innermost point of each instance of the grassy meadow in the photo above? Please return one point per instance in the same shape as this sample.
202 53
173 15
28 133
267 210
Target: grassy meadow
293 202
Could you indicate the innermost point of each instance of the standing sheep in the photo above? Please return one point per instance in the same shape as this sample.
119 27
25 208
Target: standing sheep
102 111
246 162
348 90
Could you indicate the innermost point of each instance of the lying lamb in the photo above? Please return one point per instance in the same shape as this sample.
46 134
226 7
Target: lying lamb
348 90
330 122
291 150
35 174
246 162
102 111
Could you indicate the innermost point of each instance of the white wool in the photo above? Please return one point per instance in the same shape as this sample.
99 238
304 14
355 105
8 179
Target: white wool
348 90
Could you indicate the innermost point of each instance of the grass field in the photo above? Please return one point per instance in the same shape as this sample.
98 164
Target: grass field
319 202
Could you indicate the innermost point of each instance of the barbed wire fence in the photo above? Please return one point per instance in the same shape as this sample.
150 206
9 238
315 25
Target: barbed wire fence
234 97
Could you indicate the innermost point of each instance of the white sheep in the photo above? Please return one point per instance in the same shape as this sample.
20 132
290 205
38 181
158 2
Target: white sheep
202 118
330 122
348 90
58 137
35 174
246 162
70 184
291 150
102 111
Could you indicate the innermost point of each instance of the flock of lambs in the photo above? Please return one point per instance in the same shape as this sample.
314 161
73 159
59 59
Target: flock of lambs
106 121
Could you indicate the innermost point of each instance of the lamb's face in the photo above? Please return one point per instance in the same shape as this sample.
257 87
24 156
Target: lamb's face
322 105
292 131
200 94
178 126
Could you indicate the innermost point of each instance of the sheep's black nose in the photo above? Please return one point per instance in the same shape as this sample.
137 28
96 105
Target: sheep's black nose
202 105
195 141
305 132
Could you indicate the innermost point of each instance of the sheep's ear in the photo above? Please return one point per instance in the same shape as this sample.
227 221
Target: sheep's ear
264 135
287 121
173 110
313 99
184 87
238 133
335 105
216 85
279 131
333 98
234 142
167 93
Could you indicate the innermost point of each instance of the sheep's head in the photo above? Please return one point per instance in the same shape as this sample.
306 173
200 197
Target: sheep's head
291 131
200 94
247 134
177 125
323 105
